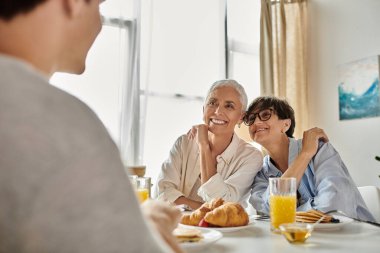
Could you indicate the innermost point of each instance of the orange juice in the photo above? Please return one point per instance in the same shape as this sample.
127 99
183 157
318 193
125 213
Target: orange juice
282 210
142 194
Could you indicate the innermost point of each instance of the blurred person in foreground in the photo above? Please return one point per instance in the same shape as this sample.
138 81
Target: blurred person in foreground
62 183
323 180
211 161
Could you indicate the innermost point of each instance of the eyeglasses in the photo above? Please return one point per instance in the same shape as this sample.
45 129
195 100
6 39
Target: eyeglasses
263 115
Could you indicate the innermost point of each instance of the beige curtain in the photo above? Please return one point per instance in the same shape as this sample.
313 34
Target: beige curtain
283 55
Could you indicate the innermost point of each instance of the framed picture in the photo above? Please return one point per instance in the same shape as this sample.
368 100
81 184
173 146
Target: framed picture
359 89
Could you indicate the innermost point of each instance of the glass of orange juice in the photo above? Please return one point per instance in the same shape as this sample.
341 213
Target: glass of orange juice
282 201
143 188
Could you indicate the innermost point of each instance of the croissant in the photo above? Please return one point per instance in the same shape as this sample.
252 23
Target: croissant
227 215
215 203
195 217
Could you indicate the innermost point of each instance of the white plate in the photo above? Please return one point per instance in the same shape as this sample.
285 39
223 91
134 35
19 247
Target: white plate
333 226
209 236
225 229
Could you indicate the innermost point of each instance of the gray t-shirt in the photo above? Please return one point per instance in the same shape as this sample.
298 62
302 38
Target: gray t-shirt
62 183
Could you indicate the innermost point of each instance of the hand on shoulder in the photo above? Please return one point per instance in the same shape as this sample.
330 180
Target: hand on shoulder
310 141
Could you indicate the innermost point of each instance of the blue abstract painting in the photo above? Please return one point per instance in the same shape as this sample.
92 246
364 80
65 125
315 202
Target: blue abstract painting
359 89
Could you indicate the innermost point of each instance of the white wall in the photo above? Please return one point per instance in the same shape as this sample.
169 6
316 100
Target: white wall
342 31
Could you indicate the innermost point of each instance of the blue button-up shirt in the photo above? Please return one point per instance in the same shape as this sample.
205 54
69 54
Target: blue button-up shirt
325 185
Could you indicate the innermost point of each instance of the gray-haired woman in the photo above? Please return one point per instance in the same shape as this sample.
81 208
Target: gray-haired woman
211 160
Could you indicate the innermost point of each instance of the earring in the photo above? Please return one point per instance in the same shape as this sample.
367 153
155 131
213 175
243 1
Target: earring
239 125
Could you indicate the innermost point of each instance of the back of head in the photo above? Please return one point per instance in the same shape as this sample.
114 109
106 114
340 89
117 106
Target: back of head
234 84
280 106
12 8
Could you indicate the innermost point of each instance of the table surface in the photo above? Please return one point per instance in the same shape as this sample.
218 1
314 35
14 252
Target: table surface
353 237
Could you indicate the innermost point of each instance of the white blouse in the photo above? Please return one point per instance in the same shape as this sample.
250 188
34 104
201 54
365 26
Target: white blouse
236 169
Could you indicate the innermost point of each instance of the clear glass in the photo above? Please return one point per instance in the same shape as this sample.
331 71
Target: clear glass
282 202
143 188
133 179
296 232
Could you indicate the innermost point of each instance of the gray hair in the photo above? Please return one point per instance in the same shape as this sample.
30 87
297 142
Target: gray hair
234 84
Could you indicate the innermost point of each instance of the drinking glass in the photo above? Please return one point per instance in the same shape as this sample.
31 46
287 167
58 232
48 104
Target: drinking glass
143 188
282 201
138 170
133 179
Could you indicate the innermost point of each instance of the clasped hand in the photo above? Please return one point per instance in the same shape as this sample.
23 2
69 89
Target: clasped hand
199 133
310 140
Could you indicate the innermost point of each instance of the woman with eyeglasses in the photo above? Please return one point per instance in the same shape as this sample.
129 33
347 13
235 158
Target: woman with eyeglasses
322 178
211 161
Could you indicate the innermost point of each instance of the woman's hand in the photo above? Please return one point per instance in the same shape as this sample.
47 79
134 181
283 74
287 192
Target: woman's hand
185 201
310 143
199 133
164 217
311 139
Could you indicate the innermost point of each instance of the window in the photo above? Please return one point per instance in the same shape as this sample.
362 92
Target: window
187 55
99 87
243 29
182 54
244 44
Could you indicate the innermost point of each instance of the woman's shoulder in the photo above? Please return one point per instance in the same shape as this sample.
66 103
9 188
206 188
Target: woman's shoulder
185 140
244 145
325 149
321 144
185 145
246 149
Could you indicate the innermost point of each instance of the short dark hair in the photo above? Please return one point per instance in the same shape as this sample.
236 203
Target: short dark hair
280 106
11 8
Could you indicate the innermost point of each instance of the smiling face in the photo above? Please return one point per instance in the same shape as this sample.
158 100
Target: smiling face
266 126
270 118
222 110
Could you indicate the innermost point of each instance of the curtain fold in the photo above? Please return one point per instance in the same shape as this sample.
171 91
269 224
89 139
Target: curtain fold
283 58
130 121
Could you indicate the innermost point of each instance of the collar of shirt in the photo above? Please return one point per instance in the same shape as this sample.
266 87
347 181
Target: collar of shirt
271 170
11 61
229 152
306 188
294 149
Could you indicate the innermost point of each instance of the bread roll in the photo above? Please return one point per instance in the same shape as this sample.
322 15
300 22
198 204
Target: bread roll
215 203
195 217
228 215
